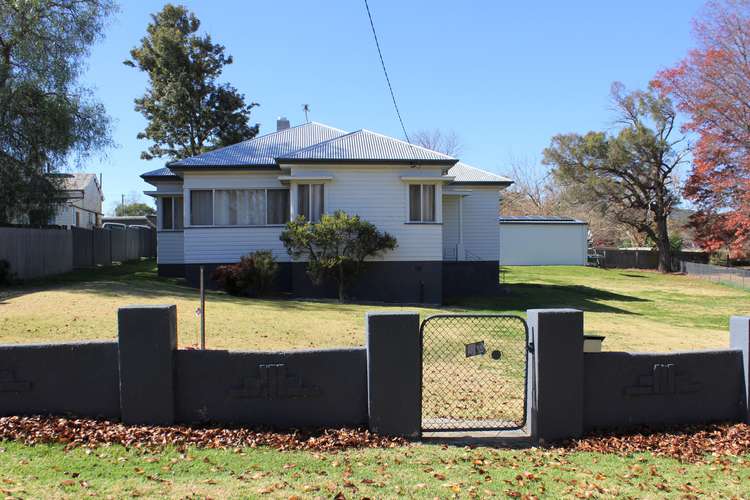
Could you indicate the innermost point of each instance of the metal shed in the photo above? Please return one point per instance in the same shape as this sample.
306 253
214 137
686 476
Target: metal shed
533 240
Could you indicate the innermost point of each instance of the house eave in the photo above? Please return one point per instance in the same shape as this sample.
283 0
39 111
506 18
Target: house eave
482 183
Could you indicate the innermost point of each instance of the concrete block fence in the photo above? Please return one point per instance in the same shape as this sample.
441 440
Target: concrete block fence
143 378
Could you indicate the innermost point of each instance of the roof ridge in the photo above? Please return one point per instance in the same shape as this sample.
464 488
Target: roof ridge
447 157
317 144
257 137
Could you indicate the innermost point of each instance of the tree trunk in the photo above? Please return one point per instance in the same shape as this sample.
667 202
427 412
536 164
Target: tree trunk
341 283
663 246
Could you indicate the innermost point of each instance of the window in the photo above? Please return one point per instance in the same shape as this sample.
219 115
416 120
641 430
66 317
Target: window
277 206
239 207
310 201
421 203
171 213
201 208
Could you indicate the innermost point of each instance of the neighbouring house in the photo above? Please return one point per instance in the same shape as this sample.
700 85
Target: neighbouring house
215 207
81 202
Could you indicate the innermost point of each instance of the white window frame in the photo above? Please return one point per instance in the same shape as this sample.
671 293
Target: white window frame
213 206
174 213
437 202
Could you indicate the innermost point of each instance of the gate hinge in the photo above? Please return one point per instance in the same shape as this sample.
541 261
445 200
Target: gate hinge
530 347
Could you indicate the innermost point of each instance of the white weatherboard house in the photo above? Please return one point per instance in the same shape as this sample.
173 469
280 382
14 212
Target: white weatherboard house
81 202
216 207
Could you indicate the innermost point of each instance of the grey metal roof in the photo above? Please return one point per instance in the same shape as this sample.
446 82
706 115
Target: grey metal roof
262 151
78 181
315 142
164 172
364 145
466 174
538 219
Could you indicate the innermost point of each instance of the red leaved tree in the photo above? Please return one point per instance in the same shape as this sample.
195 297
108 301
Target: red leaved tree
712 85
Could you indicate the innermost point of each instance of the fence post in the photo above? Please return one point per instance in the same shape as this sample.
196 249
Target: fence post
147 341
739 338
394 374
557 405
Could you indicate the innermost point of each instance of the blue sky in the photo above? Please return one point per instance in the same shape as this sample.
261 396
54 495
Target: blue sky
505 76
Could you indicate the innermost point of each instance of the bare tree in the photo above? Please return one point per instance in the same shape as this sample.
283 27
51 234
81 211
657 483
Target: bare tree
535 191
443 142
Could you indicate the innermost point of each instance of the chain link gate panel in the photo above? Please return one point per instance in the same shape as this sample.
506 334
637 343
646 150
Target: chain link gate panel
474 370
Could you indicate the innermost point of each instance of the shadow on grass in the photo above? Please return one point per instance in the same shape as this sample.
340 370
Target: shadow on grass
520 297
140 281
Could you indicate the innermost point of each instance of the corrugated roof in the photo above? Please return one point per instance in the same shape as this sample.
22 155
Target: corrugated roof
263 150
364 145
538 219
160 172
78 181
464 173
317 142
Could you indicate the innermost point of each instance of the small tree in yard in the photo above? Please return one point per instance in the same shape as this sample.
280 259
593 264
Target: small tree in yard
336 247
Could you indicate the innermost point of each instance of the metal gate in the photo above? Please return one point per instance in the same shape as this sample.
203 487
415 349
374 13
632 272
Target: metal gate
474 370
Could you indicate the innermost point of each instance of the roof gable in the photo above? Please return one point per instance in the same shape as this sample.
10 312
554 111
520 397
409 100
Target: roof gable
79 181
365 145
263 150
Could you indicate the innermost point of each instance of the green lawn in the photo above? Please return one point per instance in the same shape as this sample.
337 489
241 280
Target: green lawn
635 310
424 471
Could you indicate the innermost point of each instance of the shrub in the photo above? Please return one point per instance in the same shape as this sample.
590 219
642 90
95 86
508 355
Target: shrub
336 247
7 277
253 275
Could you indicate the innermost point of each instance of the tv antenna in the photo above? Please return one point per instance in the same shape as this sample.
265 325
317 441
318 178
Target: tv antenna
306 109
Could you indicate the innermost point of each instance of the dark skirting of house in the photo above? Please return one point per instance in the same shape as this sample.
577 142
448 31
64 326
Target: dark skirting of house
412 282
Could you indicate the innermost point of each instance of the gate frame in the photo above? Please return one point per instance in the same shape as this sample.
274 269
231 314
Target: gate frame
528 377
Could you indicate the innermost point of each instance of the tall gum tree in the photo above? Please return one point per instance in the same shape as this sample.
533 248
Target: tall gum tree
628 176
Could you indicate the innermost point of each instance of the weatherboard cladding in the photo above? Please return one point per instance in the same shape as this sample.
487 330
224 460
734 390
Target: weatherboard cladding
312 142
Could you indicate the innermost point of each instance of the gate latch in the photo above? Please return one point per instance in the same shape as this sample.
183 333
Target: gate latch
530 347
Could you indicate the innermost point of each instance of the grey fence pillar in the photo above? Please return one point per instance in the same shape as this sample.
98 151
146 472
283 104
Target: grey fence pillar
394 374
147 341
557 411
739 338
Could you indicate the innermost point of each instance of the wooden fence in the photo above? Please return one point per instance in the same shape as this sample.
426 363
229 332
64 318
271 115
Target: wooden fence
34 253
618 258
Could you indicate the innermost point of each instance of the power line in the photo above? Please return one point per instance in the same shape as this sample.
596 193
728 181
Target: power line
385 71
